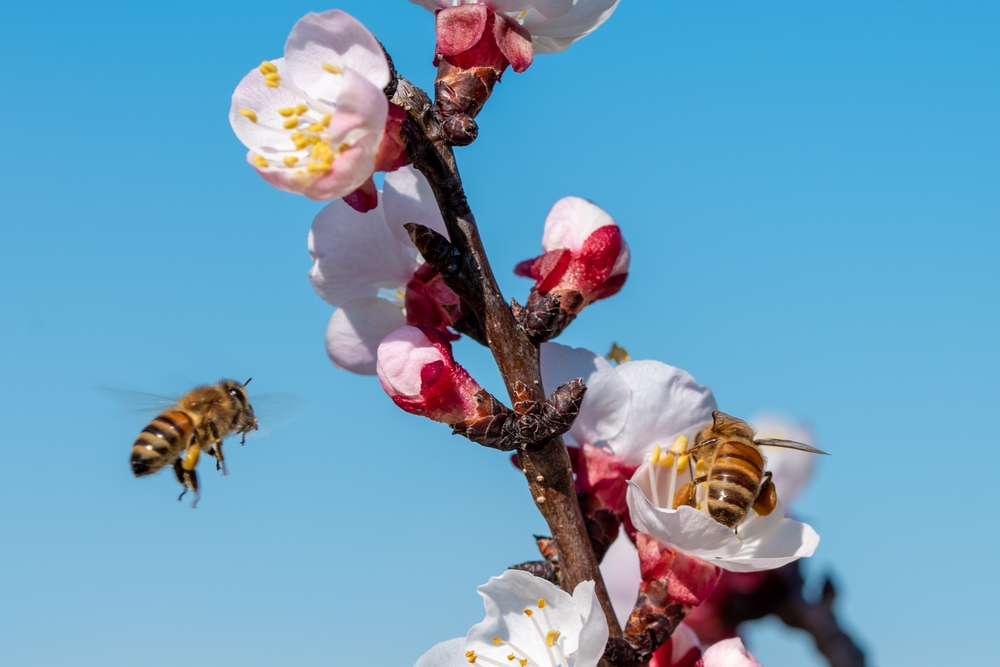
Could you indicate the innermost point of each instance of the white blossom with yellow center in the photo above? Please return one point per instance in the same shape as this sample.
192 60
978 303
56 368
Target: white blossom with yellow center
529 623
313 120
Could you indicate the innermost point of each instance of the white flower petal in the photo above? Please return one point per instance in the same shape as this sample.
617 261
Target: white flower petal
551 35
547 8
357 328
332 38
686 528
622 577
666 403
252 94
356 254
605 406
449 653
570 221
594 633
729 653
505 599
408 198
763 543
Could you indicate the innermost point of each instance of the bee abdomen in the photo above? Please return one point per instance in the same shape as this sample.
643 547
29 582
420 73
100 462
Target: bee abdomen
734 482
161 441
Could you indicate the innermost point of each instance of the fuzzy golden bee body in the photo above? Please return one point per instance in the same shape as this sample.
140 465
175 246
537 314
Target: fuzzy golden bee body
197 423
730 463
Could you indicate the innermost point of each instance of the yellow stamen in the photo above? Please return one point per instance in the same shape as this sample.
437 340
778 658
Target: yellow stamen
315 127
497 641
682 463
248 113
552 637
700 469
301 108
325 121
290 161
541 603
268 68
667 460
680 445
469 654
527 612
511 657
617 354
656 454
287 111
291 123
522 662
260 161
332 69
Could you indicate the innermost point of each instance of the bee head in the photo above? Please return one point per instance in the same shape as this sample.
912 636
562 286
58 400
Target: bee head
238 393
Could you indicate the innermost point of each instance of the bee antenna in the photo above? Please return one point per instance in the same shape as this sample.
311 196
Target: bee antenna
247 382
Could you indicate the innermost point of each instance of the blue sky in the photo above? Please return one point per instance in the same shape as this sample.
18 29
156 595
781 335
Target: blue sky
811 194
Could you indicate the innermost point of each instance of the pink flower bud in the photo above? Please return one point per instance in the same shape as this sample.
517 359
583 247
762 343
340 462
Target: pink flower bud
584 252
728 653
417 370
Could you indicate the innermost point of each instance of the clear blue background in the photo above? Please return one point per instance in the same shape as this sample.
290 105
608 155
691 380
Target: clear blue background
811 194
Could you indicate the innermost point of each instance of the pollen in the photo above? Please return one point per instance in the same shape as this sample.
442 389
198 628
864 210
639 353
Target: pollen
511 657
682 463
700 469
301 108
541 603
325 121
469 654
666 460
267 67
528 612
260 161
332 69
680 445
249 114
551 637
656 454
290 161
287 111
272 80
291 123
497 641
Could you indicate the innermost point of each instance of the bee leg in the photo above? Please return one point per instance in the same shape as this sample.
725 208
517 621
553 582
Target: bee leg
216 450
184 470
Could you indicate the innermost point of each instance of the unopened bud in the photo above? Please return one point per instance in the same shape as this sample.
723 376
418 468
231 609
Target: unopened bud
417 370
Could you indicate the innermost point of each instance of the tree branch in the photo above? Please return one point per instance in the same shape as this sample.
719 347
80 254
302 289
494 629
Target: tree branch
546 466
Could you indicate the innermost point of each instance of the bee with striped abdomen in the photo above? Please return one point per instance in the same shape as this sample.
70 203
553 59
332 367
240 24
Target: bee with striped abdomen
197 423
729 462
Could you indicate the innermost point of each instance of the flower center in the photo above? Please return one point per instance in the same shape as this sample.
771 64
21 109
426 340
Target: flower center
675 462
305 125
547 652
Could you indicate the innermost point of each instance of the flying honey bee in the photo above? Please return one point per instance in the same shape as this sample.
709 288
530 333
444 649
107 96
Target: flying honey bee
729 460
197 423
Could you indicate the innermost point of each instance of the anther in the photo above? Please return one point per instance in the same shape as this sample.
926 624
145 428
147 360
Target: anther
666 460
680 445
260 161
287 111
301 108
551 637
541 603
527 612
497 641
469 654
249 113
656 454
290 161
682 463
700 469
332 69
268 68
511 657
291 123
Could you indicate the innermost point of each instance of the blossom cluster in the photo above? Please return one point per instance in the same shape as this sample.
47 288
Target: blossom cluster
320 121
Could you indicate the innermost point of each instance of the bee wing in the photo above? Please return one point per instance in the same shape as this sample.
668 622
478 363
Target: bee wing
789 444
139 401
273 410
